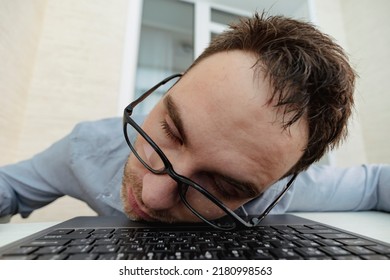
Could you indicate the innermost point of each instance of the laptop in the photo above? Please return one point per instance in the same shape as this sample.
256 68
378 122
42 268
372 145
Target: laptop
117 238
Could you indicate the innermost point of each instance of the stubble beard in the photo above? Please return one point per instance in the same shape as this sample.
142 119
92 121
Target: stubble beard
131 180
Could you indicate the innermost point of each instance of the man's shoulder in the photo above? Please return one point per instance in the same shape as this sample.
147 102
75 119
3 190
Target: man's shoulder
102 126
97 137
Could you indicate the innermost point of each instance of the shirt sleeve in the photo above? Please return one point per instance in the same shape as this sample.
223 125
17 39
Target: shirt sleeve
86 165
327 188
33 183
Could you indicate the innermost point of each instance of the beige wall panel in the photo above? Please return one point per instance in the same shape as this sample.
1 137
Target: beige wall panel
367 26
20 28
77 71
330 17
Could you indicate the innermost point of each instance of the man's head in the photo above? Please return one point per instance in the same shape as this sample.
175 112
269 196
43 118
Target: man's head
309 73
266 99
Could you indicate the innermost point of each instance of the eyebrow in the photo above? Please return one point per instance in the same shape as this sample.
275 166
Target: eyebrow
174 114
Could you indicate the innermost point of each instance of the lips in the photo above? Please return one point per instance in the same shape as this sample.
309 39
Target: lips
136 208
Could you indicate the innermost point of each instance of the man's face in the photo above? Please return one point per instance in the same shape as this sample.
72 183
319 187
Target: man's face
220 126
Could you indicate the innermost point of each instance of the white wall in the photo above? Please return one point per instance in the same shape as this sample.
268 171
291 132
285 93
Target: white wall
330 19
363 29
367 25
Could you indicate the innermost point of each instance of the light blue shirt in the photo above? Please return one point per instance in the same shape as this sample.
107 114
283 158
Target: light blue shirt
88 165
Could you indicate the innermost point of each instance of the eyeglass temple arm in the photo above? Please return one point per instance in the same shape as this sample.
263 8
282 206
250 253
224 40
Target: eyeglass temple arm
131 106
256 221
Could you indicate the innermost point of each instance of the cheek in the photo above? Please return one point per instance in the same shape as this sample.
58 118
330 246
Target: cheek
213 213
135 167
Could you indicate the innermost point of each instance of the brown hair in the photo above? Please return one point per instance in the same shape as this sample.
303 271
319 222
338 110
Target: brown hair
309 72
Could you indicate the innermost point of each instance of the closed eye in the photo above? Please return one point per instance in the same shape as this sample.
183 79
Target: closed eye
169 133
230 188
227 191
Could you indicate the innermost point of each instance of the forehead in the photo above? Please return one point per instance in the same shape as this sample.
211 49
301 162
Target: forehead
225 111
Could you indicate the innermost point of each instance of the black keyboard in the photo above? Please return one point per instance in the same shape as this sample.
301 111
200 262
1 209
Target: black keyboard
264 242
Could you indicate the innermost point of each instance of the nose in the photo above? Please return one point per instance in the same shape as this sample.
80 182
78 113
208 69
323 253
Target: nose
159 192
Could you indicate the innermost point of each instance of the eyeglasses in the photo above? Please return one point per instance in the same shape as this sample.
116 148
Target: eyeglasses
203 201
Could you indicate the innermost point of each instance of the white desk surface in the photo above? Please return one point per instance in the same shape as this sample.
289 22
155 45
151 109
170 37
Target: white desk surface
371 224
368 223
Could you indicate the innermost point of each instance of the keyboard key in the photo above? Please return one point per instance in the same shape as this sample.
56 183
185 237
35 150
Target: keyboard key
381 249
334 251
187 248
260 254
50 250
72 235
233 254
78 249
285 254
124 230
320 258
310 252
359 250
297 227
103 231
37 243
83 231
374 257
210 247
83 257
347 257
18 257
318 227
329 242
236 245
106 241
22 251
356 242
60 232
136 248
283 244
318 231
100 235
85 241
259 244
210 255
291 237
104 249
161 248
52 257
306 243
119 256
336 236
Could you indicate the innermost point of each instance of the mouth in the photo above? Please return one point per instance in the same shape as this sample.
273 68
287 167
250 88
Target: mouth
135 206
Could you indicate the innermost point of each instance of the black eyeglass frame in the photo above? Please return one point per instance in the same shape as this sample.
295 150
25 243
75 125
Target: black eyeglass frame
182 180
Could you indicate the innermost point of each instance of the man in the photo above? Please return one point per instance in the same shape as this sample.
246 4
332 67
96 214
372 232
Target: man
263 102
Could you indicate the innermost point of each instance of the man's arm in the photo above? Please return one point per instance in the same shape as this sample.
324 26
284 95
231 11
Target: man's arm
327 188
87 165
34 183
